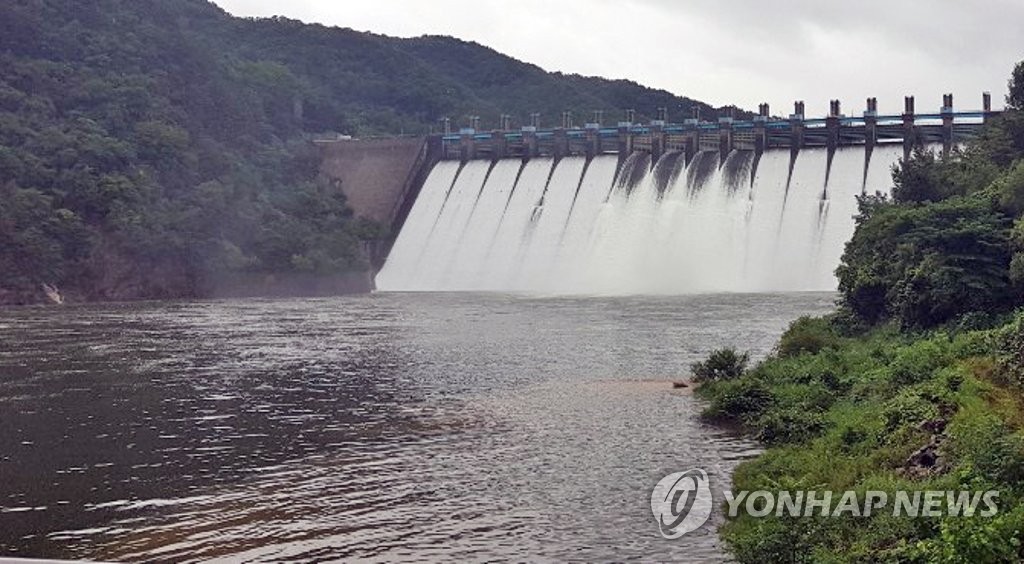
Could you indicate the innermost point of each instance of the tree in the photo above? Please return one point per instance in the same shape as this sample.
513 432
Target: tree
925 264
1015 99
918 179
721 364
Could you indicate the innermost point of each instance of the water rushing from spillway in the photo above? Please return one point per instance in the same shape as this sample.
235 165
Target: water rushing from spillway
594 227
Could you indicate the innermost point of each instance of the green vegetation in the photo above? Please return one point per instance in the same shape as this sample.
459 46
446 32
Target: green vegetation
915 383
160 148
852 416
725 364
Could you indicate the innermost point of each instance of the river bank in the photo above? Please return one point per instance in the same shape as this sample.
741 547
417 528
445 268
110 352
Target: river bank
883 411
233 285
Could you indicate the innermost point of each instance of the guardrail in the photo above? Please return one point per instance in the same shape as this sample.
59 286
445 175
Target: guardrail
763 132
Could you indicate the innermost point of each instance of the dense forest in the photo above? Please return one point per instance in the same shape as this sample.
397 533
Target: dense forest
916 383
160 148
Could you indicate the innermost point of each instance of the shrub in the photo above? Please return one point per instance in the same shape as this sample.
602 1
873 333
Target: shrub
739 399
813 396
917 362
832 382
906 409
1009 188
974 539
971 344
1017 269
794 425
774 539
846 323
975 321
851 437
982 440
1009 344
807 335
722 364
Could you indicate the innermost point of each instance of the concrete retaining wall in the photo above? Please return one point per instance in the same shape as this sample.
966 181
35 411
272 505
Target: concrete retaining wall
376 175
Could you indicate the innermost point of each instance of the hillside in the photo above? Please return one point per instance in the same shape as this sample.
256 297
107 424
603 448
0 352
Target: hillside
159 148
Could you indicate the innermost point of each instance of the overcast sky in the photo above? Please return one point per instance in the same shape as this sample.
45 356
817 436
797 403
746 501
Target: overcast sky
724 52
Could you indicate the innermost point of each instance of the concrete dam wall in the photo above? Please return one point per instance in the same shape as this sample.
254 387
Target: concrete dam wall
730 206
379 177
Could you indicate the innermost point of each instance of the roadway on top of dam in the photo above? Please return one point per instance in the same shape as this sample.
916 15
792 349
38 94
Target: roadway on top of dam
947 127
965 118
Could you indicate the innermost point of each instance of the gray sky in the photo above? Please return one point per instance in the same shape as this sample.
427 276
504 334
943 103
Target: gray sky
722 52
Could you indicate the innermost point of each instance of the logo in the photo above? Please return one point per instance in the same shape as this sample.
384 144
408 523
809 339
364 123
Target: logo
681 502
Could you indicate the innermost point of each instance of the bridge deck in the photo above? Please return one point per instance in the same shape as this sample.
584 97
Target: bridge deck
948 128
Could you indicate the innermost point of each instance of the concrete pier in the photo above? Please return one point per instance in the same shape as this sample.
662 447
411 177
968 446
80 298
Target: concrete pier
871 124
625 138
725 144
561 143
657 140
947 123
796 133
910 137
467 144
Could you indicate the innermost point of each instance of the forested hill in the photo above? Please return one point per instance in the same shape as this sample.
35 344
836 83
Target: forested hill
362 83
159 148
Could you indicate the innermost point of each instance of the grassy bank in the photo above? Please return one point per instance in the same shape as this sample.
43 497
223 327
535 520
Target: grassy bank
886 410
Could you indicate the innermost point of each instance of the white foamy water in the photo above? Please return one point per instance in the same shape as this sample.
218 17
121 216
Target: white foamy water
598 227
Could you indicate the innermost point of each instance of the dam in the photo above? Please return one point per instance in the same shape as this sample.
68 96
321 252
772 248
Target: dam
758 206
577 226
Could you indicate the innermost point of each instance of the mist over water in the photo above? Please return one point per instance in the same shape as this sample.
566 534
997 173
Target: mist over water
579 227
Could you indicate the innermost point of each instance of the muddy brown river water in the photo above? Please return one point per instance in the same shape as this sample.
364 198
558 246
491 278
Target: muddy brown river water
414 427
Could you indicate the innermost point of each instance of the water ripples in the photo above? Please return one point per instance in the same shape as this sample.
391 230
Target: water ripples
385 427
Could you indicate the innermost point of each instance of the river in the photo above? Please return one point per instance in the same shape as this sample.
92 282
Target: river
415 427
